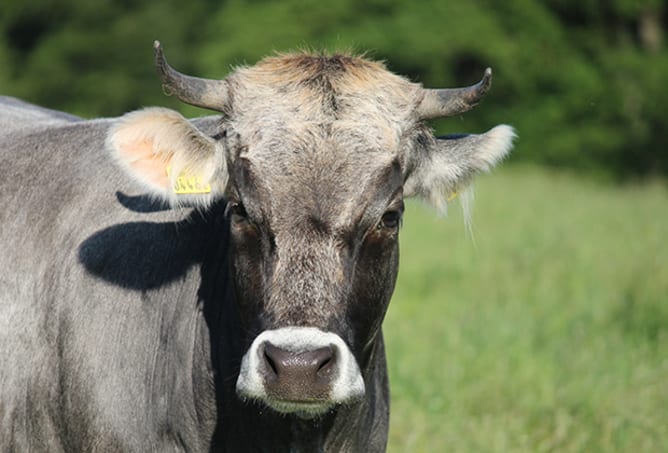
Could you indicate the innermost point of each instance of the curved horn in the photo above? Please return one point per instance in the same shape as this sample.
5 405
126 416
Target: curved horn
453 101
207 93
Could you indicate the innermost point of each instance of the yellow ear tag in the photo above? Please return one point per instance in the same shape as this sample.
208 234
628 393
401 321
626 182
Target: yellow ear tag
187 185
452 195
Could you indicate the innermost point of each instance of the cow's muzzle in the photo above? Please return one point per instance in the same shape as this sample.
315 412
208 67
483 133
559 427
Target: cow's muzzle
300 370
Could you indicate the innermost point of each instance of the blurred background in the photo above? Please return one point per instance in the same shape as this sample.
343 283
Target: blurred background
546 329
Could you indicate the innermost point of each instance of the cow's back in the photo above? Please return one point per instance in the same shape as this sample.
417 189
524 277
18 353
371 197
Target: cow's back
98 296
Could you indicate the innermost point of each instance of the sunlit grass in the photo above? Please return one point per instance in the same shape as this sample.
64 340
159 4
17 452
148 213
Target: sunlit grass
546 331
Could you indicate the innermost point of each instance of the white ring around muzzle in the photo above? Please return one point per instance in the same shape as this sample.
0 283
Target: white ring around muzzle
348 385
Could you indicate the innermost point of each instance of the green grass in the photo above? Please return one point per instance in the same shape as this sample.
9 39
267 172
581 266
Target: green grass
546 331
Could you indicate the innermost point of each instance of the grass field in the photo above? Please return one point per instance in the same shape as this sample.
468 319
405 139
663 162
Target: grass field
546 331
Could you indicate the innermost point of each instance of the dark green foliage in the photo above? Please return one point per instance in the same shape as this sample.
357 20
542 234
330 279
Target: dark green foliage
582 80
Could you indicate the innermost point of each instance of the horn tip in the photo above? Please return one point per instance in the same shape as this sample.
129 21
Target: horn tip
486 81
487 77
161 65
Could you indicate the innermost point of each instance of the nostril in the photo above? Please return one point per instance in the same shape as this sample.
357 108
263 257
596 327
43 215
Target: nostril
324 364
326 359
270 362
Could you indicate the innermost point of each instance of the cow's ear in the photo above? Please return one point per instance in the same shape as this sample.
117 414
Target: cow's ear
441 167
169 156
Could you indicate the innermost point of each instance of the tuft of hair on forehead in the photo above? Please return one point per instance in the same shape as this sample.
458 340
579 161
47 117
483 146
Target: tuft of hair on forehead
306 65
337 70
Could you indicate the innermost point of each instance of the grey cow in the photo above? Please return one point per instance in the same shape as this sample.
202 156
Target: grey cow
217 284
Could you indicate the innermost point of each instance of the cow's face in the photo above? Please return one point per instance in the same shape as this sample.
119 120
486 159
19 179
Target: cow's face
315 156
315 260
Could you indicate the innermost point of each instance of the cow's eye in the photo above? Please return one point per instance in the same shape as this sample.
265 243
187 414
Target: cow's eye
391 219
236 211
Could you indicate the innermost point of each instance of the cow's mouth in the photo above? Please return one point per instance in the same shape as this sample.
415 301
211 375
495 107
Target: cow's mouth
302 409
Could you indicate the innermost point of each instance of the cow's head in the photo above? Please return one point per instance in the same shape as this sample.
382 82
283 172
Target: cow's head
315 156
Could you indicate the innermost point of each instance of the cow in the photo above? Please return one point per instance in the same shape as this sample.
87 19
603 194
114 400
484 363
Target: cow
217 284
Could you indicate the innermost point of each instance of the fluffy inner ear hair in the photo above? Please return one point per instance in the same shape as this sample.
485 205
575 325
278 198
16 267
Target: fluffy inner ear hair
169 156
448 163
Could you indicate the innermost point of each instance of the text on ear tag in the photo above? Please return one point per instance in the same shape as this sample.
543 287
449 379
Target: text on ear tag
186 184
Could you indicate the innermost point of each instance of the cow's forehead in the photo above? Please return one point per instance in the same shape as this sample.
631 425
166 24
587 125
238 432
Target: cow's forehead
294 98
323 180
